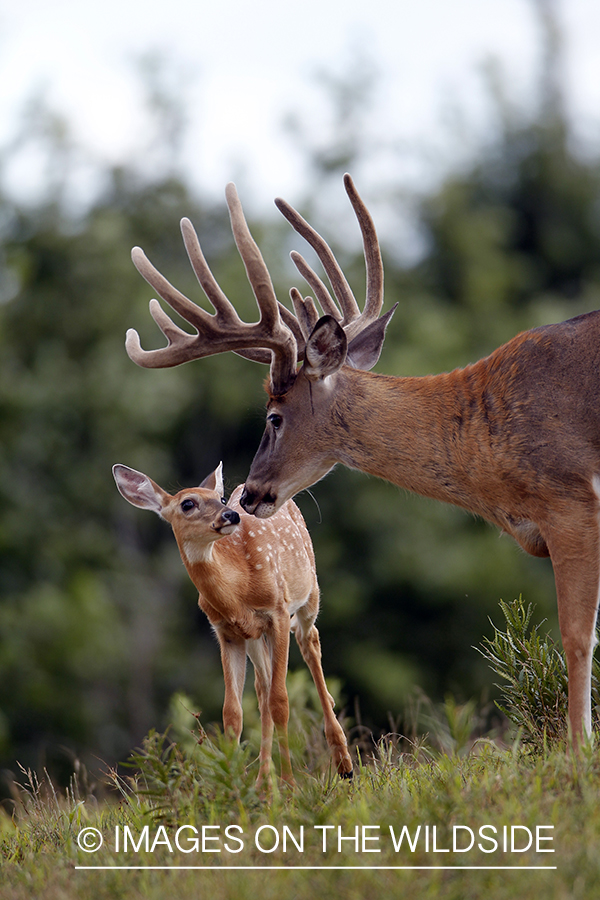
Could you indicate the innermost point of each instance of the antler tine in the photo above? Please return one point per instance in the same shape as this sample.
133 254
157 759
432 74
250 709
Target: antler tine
256 269
353 321
341 288
306 312
176 300
223 308
294 325
277 336
325 299
181 345
374 263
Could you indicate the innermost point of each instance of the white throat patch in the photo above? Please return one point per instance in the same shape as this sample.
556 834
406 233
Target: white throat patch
195 553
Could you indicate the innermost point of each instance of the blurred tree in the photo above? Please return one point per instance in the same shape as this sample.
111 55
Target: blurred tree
94 611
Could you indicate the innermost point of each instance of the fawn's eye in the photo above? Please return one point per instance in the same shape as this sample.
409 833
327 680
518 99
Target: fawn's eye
275 420
187 505
223 501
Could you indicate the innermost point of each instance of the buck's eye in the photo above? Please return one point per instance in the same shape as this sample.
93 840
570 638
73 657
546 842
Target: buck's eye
188 504
275 420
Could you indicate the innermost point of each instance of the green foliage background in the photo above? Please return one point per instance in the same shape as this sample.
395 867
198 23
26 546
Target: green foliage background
98 623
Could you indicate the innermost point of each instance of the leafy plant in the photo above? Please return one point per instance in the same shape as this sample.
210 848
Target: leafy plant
534 673
174 783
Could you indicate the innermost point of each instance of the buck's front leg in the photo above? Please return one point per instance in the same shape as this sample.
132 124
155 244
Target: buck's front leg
233 659
575 557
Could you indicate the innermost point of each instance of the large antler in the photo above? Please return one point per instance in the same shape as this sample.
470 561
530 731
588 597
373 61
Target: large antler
268 340
279 337
346 311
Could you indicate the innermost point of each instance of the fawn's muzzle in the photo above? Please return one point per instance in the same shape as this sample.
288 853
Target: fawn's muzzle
228 520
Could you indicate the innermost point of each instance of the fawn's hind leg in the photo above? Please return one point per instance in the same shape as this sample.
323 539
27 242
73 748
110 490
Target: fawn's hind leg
308 640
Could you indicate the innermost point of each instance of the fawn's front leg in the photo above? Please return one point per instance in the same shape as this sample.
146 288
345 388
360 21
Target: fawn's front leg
278 697
233 659
259 653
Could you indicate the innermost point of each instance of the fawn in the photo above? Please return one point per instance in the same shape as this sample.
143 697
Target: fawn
256 582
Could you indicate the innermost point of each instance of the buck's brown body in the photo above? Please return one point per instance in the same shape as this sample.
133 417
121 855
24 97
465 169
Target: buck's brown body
477 437
514 438
256 581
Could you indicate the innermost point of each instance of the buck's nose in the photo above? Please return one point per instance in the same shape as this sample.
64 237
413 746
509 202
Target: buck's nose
250 500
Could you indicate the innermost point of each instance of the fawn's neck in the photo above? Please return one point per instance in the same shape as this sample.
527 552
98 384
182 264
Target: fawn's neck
216 570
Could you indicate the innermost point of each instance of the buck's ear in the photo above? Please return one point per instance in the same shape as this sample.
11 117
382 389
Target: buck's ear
326 349
214 481
365 349
140 490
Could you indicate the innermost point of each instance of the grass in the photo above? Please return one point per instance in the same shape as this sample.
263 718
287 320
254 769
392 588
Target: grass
187 788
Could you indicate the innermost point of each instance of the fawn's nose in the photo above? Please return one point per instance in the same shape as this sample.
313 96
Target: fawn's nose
230 516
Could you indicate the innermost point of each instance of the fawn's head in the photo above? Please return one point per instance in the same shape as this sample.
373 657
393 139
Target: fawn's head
199 516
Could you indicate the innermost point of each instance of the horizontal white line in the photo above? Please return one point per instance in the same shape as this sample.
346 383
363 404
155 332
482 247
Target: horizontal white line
322 868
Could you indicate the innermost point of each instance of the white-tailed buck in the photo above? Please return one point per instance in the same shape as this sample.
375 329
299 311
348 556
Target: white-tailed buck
514 437
256 581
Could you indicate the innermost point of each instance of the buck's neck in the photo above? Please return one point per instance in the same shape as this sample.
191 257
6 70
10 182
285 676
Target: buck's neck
419 433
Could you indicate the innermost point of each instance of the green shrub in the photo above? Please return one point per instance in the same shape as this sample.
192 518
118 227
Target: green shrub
534 672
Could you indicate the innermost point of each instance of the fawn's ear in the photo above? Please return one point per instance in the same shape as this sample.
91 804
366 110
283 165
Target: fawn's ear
140 490
214 481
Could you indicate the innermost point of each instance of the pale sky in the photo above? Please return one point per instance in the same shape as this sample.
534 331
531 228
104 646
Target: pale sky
249 62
